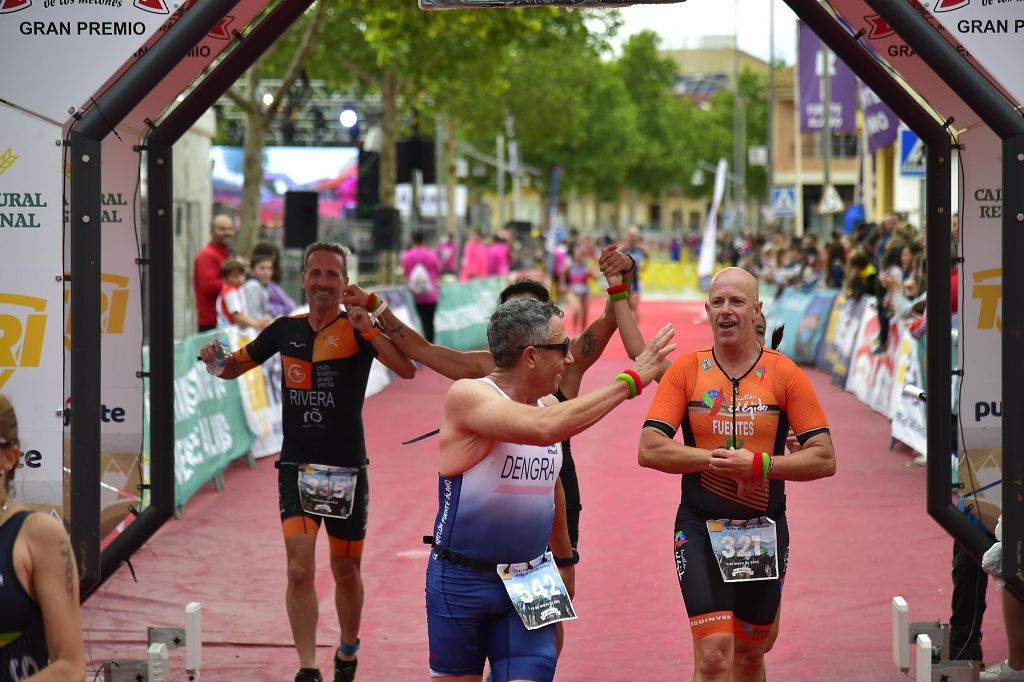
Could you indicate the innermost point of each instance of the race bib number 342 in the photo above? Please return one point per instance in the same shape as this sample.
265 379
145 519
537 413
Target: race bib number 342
537 591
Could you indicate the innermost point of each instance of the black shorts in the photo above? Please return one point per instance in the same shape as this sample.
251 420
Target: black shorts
571 487
353 528
700 579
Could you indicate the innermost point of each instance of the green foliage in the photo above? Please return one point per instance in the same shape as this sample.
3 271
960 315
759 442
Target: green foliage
612 122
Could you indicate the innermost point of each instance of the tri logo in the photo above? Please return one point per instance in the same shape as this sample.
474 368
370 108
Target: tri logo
22 328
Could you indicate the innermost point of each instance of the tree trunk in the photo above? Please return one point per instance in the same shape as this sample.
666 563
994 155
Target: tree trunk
257 121
389 140
252 164
452 181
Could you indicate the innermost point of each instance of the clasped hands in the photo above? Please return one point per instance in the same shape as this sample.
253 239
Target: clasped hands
737 465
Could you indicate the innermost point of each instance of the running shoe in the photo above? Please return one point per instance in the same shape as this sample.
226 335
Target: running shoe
344 671
1002 672
309 675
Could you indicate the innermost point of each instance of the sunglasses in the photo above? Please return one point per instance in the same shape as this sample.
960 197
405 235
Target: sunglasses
562 346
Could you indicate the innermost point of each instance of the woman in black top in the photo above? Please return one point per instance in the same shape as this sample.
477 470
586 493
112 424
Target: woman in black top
40 619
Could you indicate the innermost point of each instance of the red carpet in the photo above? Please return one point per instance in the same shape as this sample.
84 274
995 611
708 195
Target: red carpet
858 539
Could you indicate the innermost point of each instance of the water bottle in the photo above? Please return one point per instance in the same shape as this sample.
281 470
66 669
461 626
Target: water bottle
220 361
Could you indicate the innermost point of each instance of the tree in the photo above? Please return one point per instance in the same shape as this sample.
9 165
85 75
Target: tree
296 48
665 123
403 53
475 91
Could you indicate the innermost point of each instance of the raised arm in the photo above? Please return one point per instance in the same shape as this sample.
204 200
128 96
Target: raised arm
588 346
55 588
448 362
390 356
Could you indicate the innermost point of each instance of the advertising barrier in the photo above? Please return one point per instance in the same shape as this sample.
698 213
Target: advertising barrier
836 346
872 367
909 422
463 310
805 315
260 392
210 426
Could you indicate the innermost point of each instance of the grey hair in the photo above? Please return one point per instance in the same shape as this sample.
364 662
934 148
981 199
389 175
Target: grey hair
516 323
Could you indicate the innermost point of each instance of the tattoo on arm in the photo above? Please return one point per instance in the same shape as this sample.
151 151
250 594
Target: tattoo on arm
587 344
397 330
69 568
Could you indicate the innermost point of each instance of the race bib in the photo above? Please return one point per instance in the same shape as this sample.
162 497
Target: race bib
537 591
745 549
326 490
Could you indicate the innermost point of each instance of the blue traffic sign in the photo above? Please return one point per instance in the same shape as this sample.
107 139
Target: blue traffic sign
913 155
784 202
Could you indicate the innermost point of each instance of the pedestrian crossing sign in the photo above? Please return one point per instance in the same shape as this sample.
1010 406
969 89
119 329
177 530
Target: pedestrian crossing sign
784 202
913 155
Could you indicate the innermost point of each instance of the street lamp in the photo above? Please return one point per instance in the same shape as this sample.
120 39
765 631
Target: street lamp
697 179
348 117
349 120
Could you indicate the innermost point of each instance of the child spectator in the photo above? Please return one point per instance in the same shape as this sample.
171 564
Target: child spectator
231 308
280 304
255 291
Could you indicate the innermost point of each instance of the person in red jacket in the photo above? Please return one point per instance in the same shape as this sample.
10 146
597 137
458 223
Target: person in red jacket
206 277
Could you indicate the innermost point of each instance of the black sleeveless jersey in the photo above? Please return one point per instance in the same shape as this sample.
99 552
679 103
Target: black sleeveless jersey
323 383
23 650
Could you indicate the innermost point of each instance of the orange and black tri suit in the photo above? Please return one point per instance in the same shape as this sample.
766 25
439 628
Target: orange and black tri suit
323 383
754 411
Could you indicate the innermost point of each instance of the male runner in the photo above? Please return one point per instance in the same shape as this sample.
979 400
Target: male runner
585 349
325 357
499 456
735 403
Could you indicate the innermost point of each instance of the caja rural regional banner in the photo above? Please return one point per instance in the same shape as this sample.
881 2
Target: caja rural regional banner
31 299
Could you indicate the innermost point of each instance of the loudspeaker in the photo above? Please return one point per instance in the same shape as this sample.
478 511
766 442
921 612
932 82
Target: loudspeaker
416 155
368 186
387 225
301 219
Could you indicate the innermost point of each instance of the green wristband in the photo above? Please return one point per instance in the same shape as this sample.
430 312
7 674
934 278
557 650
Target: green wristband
765 463
629 382
620 296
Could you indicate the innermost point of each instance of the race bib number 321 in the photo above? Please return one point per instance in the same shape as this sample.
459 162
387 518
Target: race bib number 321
745 549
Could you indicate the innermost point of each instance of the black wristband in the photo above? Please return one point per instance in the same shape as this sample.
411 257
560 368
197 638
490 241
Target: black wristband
562 561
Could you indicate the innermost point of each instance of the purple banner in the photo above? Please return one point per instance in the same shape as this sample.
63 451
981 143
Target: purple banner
843 94
879 119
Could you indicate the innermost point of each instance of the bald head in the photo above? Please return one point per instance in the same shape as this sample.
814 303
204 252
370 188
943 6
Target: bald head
735 277
732 308
222 229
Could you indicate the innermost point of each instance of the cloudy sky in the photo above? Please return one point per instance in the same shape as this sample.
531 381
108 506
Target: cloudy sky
683 24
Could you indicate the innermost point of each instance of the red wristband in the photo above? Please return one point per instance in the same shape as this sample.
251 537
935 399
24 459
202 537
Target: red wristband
636 378
757 466
618 289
